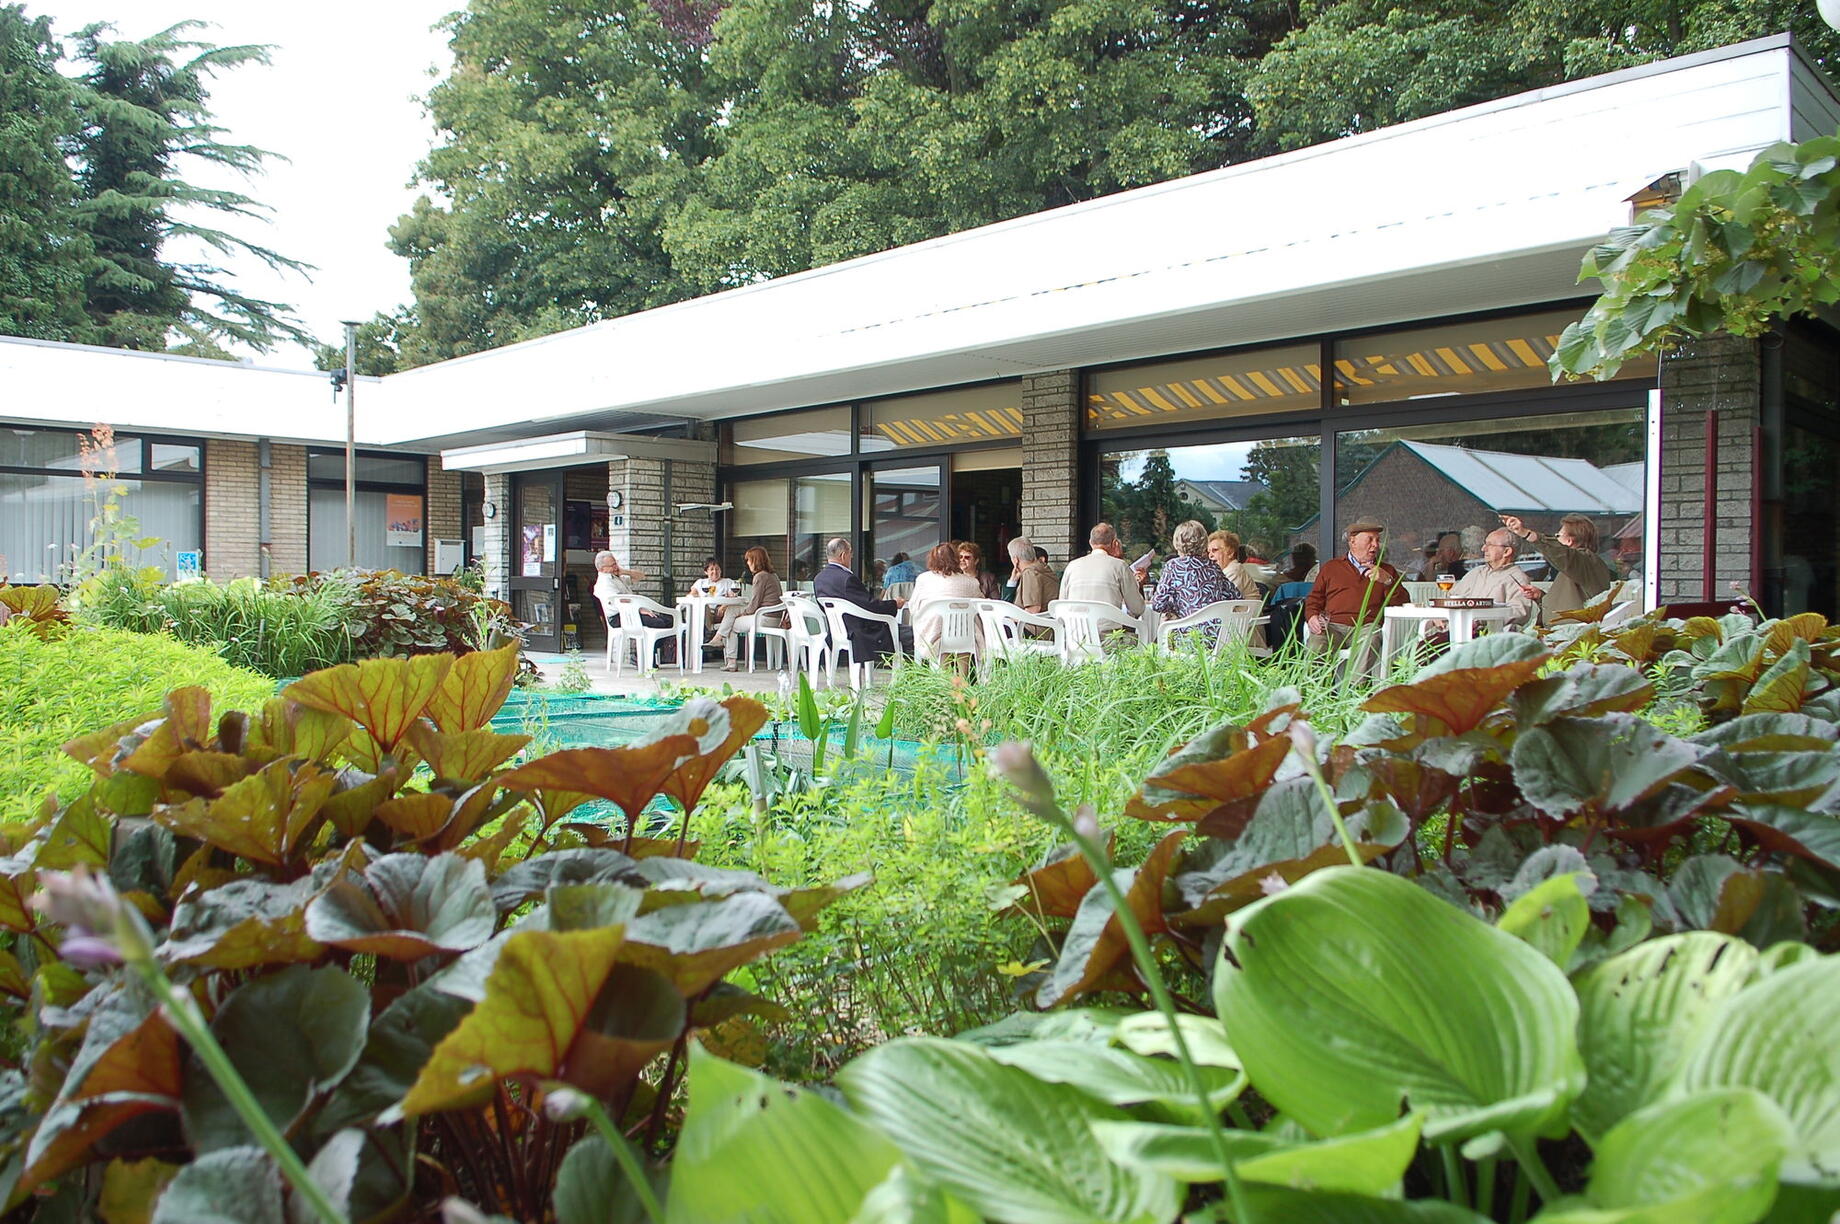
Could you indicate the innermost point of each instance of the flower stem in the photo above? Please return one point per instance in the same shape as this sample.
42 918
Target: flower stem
629 1163
185 1016
1527 1152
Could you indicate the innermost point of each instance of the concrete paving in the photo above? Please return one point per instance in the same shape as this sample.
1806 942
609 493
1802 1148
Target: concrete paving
762 679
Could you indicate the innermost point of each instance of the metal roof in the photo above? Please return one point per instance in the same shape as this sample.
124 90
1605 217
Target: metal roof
1531 483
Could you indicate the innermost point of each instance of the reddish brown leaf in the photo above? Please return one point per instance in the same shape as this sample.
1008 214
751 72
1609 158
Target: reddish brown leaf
1243 890
287 728
690 779
1458 699
1198 789
1417 788
206 773
629 777
1057 886
1088 955
99 749
263 818
464 756
384 696
15 892
474 689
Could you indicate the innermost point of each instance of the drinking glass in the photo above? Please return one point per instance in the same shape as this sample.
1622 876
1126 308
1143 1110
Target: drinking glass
1446 581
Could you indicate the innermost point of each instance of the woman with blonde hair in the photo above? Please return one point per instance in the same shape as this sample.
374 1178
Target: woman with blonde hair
1224 550
764 592
1580 574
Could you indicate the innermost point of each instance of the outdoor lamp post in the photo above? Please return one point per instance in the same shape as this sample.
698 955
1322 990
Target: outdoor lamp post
351 444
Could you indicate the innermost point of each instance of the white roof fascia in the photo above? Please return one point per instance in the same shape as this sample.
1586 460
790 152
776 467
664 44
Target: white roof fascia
569 449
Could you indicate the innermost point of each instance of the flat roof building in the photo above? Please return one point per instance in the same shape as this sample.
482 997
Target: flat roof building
1279 324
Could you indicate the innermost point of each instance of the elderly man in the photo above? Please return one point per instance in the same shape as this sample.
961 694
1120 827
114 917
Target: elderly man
1036 585
838 581
1351 595
1101 576
1497 578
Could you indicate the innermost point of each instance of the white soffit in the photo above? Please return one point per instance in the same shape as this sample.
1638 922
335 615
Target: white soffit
569 449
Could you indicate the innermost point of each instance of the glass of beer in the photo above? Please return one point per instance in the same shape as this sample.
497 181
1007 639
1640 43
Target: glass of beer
1446 581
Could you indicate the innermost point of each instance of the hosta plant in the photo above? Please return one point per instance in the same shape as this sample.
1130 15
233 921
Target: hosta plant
359 914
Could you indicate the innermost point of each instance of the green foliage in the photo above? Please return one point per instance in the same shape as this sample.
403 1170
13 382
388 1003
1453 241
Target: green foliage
280 632
1736 252
388 613
388 984
42 252
56 689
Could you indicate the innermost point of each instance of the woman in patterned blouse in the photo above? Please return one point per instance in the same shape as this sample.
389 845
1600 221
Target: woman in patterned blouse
1189 581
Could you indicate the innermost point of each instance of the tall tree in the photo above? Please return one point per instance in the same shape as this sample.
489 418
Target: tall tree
42 252
145 108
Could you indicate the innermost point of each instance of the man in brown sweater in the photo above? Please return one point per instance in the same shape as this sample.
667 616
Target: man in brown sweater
1347 603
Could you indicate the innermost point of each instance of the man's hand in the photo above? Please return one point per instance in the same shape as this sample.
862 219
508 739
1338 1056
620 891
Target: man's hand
1140 574
1318 624
900 601
1514 524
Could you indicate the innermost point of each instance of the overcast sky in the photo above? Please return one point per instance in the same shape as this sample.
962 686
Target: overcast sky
339 101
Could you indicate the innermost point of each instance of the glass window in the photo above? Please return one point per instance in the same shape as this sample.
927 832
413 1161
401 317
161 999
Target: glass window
903 517
372 469
326 534
1440 489
821 510
1263 382
170 457
1458 359
822 433
1266 492
759 520
990 413
59 450
45 524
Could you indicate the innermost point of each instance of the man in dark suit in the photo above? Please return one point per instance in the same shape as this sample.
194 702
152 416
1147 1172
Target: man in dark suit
868 640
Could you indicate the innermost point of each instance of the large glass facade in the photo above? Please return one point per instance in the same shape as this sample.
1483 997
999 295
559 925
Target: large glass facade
902 513
47 505
1228 386
969 415
1440 489
1472 357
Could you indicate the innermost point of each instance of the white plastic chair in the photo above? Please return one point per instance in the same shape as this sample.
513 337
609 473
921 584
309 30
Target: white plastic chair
837 613
1084 625
807 645
1006 629
898 590
1236 619
1620 613
626 626
776 639
1422 593
958 628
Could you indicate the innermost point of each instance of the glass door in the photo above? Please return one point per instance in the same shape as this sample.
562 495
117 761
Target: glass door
536 557
902 519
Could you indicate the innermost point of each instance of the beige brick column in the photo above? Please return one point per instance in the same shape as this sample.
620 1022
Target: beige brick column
1716 376
287 509
231 509
440 509
498 537
1051 411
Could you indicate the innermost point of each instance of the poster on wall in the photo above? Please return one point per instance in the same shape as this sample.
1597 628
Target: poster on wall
531 551
403 520
549 541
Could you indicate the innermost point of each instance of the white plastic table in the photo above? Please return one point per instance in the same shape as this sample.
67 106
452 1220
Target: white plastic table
1463 622
699 607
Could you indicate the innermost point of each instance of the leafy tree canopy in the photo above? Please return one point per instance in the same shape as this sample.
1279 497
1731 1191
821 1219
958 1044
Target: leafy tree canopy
599 157
92 192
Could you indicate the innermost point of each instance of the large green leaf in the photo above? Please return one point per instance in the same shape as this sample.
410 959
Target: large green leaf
407 906
1776 1036
904 1197
239 1185
697 944
592 1188
1186 1153
759 1151
1206 1038
1602 764
1355 989
243 924
395 1051
290 1035
384 696
1283 1205
1711 1158
1367 1162
1552 916
1116 1077
1640 1011
1014 1148
557 1005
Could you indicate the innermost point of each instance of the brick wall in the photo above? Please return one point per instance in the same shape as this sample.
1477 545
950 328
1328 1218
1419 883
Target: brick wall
440 508
498 537
693 533
1719 374
231 510
287 509
1051 411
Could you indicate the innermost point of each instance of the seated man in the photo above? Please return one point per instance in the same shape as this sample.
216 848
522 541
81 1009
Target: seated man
1036 585
1101 576
1497 578
868 641
1349 600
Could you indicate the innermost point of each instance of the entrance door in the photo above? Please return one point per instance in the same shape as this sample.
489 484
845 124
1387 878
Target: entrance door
537 557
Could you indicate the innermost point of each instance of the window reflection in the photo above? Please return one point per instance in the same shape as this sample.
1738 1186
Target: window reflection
991 413
1266 492
1440 489
1258 383
822 433
1466 358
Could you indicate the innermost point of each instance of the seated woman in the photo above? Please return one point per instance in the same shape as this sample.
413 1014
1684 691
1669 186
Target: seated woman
971 561
712 584
1191 580
764 591
943 579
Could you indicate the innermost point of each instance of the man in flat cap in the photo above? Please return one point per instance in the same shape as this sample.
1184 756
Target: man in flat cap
1348 602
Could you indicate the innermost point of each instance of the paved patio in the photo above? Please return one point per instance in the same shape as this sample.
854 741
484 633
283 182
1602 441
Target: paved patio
762 679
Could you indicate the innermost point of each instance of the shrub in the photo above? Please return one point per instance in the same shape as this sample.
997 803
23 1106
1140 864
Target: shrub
54 690
390 615
275 630
293 926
